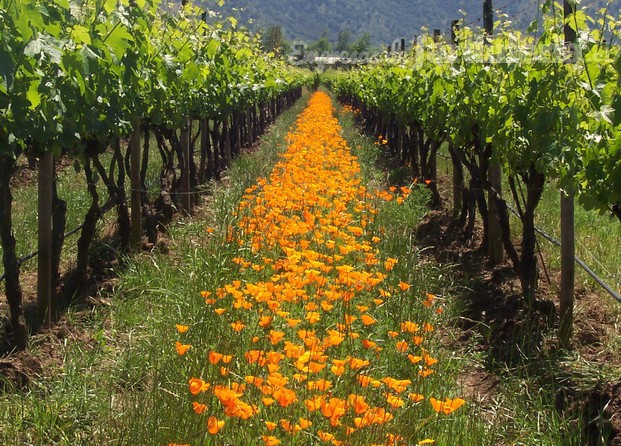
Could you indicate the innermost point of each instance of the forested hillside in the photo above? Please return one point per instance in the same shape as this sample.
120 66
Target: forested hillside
384 21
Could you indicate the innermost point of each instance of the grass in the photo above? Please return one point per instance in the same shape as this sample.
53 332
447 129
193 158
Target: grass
597 235
515 409
162 411
527 406
114 377
93 378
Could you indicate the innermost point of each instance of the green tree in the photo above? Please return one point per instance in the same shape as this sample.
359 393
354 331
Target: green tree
321 45
273 41
344 41
362 44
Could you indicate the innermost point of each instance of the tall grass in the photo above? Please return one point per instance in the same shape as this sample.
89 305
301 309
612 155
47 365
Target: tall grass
93 385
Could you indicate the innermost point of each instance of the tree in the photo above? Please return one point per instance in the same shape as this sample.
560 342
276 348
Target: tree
362 44
273 41
343 43
321 45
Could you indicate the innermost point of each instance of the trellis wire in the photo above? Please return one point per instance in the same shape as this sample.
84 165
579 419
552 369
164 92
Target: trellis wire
579 261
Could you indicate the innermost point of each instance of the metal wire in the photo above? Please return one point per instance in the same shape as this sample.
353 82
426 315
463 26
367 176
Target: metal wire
104 210
579 261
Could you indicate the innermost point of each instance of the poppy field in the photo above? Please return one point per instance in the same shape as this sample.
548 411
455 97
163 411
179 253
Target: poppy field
317 339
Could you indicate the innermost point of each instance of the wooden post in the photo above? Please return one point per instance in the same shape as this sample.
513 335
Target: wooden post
488 17
136 186
454 31
437 35
568 244
44 277
495 253
186 198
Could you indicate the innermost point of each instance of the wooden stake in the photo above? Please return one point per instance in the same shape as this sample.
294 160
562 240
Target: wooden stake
186 198
136 186
568 236
44 277
495 252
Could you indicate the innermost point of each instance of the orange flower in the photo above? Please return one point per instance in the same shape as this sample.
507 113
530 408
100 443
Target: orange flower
285 397
304 423
398 385
394 401
404 286
447 406
197 386
364 380
214 425
366 343
199 408
333 408
357 403
276 336
181 348
409 327
367 320
182 328
265 321
402 346
215 357
424 373
416 397
293 322
314 403
313 317
321 385
325 436
238 326
356 363
418 340
428 301
390 263
415 359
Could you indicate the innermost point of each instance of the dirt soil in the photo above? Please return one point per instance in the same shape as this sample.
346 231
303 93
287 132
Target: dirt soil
26 174
511 336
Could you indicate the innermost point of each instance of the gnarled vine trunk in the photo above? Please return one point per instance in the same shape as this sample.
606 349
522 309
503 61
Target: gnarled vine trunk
12 285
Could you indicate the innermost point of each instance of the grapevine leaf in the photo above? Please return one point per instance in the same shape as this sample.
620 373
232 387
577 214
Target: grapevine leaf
33 95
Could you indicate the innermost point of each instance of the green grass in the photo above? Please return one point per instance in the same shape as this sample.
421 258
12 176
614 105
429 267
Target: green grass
524 409
116 379
597 235
466 427
92 389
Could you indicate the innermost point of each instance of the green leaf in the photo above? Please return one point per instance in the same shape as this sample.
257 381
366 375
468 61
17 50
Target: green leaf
212 48
80 34
33 95
109 5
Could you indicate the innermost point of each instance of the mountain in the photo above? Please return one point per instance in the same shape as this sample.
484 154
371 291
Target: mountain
385 21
